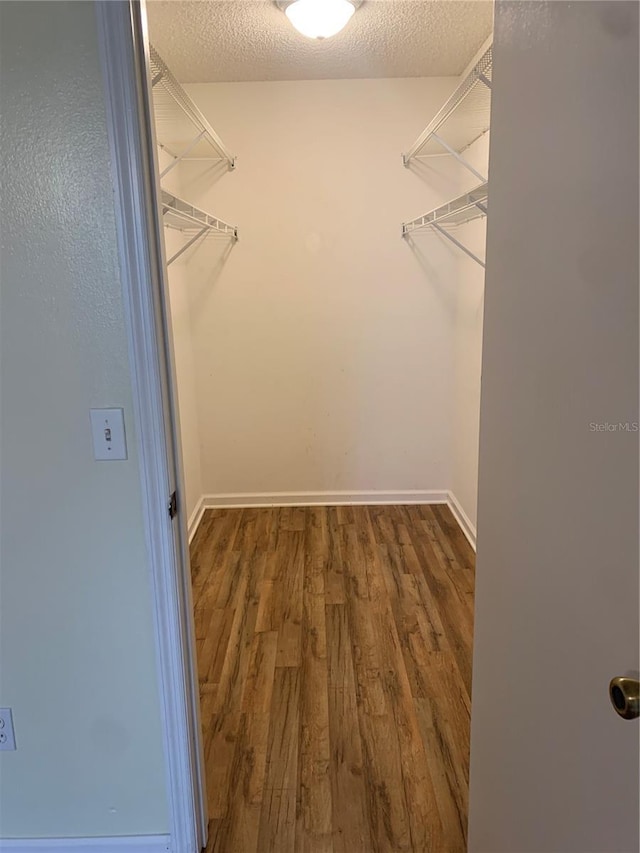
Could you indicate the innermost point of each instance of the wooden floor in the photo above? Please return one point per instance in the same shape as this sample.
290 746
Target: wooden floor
334 654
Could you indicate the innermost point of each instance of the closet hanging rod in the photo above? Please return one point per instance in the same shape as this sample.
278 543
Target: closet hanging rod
193 222
181 127
459 211
465 116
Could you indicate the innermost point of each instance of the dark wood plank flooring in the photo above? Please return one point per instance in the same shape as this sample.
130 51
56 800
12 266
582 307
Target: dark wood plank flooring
334 656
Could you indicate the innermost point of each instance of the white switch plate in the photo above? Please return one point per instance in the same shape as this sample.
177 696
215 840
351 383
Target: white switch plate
7 736
107 429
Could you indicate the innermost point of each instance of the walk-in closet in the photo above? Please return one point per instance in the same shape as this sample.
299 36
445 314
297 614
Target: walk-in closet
319 426
324 203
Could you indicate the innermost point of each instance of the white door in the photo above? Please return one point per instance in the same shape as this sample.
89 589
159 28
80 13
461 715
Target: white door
553 768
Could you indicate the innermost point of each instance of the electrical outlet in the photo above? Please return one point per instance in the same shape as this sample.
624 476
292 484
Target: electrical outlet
7 737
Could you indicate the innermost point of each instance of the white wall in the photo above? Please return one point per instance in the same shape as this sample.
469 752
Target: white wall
323 341
552 766
469 285
78 665
183 351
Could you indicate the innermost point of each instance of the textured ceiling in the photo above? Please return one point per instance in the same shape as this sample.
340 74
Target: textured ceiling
205 41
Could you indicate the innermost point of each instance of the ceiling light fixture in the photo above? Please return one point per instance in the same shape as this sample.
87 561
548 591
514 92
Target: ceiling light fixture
319 19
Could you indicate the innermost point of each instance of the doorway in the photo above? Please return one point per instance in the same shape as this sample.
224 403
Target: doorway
326 347
226 500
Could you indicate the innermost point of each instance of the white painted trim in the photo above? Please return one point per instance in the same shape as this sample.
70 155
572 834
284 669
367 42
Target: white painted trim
121 43
241 500
195 518
256 499
467 526
111 844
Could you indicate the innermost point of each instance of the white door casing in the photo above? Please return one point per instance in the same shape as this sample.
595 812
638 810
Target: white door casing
123 44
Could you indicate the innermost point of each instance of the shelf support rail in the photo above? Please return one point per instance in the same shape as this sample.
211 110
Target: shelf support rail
179 157
458 157
456 242
188 244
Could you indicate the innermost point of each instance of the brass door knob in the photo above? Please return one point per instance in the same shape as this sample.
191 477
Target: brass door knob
625 696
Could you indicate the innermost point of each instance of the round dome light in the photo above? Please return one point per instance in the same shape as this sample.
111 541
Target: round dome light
319 19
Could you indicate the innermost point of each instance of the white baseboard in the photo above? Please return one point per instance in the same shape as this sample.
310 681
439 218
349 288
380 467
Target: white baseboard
245 500
195 518
241 500
257 499
111 844
468 528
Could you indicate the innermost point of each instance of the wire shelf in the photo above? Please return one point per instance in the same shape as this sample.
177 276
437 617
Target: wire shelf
464 118
192 222
459 211
182 130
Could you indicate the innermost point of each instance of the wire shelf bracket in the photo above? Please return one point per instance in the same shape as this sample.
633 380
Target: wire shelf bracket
181 128
192 222
463 119
459 211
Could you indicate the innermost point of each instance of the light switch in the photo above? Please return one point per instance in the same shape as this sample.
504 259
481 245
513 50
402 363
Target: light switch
107 429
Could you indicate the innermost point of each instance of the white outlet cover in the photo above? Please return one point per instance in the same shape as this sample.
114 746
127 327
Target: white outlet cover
7 735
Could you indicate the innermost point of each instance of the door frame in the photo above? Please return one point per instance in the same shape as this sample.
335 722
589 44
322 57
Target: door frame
124 49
